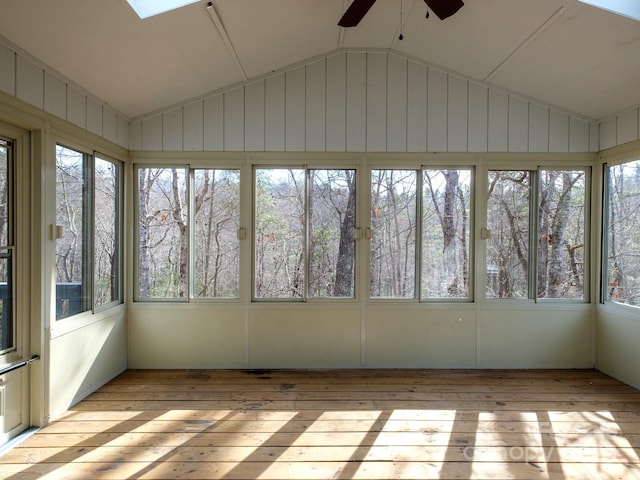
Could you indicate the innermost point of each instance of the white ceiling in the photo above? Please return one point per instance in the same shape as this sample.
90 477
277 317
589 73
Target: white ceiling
560 52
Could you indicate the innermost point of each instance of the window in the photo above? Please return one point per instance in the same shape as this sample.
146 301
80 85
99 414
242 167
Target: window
188 222
626 8
444 199
106 227
88 242
508 220
394 196
446 210
304 243
621 266
7 249
304 233
536 234
150 8
216 247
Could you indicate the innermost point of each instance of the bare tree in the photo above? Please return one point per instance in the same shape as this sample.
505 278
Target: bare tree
346 249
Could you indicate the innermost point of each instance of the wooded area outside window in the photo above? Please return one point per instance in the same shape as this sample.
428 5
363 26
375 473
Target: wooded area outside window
536 246
304 244
107 232
442 229
621 264
446 230
188 222
216 246
88 217
394 227
303 240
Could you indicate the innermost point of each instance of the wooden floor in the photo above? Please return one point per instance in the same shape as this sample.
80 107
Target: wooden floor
363 424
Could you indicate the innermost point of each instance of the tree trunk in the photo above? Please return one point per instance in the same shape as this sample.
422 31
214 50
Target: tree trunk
449 231
557 262
144 287
346 249
544 216
183 255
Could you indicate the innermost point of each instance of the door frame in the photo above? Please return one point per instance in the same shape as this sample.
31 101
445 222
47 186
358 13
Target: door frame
21 402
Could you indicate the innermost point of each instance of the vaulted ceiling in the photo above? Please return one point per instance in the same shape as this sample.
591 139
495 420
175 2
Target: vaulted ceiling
560 52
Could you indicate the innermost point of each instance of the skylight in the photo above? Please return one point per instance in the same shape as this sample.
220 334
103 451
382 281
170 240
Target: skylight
626 8
149 8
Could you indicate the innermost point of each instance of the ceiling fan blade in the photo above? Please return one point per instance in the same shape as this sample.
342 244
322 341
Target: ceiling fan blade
356 11
444 8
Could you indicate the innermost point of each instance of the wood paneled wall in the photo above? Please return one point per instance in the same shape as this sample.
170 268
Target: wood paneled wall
349 101
620 129
364 102
28 80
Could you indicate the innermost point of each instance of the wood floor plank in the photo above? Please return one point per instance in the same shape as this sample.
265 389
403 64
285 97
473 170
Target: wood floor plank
319 426
355 424
391 453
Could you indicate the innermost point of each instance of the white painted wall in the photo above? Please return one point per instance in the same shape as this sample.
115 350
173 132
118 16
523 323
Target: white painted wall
375 335
617 330
85 358
364 102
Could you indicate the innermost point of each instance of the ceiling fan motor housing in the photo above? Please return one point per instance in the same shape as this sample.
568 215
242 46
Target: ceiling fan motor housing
444 8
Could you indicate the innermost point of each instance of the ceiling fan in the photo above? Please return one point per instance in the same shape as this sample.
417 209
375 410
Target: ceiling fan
359 8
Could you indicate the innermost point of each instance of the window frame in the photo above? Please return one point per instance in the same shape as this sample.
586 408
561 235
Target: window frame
472 243
88 301
119 233
11 247
419 170
603 297
306 168
190 169
477 168
240 231
532 274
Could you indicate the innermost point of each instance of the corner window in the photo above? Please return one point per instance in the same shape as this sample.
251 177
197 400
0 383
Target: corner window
107 232
621 266
88 229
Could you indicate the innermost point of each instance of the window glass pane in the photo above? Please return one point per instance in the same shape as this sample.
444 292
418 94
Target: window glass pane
4 193
279 233
72 289
446 208
216 248
332 219
393 240
7 325
623 234
561 233
508 245
106 232
163 245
